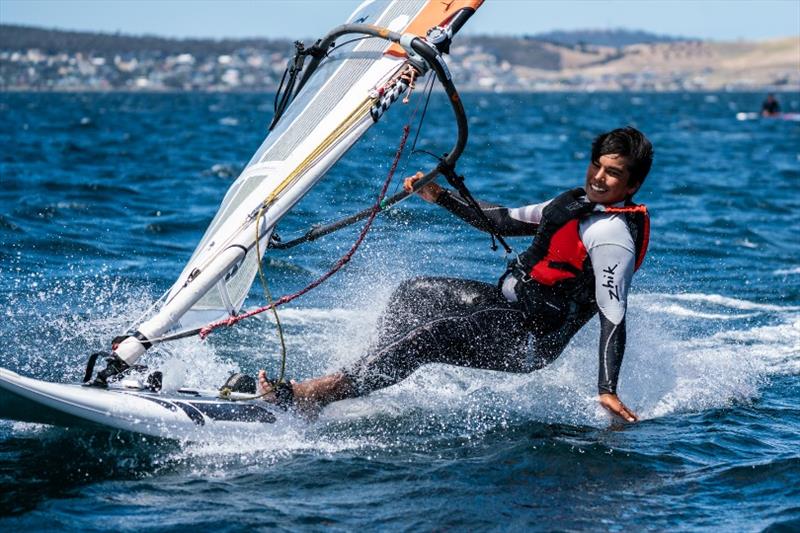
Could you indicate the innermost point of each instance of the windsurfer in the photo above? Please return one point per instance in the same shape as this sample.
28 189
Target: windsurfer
587 244
770 107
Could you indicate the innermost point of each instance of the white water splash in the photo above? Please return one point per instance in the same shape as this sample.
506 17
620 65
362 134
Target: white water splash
724 301
669 368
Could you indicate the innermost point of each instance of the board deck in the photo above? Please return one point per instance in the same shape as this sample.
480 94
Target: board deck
183 414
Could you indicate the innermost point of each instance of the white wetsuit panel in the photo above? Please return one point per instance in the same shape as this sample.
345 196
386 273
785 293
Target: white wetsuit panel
528 213
610 246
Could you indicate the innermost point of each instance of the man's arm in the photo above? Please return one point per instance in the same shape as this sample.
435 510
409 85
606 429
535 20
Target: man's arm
516 222
613 268
501 217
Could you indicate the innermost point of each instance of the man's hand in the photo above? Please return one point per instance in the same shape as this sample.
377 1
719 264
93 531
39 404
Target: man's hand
613 404
429 192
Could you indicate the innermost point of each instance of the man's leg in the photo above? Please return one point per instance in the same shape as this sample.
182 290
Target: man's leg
430 320
490 338
419 300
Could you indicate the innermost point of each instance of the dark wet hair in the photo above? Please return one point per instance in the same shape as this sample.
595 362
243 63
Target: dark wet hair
629 143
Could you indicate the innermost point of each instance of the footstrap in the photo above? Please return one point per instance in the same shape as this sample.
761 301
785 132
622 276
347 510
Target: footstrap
284 394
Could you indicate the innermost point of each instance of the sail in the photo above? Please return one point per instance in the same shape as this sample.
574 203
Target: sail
331 111
338 87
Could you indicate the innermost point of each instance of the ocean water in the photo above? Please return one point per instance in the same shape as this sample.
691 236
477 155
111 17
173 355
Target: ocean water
104 197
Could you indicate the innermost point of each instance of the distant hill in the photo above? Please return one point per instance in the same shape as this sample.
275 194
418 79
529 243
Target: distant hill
540 51
616 38
517 51
48 59
526 51
51 41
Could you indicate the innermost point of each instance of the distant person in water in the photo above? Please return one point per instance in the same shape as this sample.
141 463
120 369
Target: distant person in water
587 243
770 107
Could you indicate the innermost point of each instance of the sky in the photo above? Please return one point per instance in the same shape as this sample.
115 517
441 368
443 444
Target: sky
721 20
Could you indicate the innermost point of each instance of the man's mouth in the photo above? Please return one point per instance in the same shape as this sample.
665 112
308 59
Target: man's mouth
598 189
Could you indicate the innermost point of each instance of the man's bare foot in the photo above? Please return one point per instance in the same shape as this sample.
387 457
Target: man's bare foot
264 386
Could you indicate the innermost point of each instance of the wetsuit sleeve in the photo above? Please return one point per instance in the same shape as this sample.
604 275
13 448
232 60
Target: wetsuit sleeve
612 348
613 269
516 222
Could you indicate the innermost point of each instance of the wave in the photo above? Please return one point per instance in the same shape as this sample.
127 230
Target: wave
678 310
725 301
672 366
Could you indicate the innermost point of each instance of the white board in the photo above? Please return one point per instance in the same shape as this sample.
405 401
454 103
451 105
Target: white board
186 415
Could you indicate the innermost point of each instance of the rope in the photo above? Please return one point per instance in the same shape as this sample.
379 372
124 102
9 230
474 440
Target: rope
408 72
271 305
317 231
268 294
376 208
428 90
315 154
340 130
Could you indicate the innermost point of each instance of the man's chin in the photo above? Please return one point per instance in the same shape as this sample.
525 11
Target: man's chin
594 197
604 199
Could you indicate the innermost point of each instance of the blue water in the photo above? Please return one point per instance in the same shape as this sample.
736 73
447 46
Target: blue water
105 195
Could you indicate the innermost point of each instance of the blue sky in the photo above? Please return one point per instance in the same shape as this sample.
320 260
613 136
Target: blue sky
707 19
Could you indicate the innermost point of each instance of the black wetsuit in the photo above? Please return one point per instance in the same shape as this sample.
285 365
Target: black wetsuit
770 107
474 324
443 320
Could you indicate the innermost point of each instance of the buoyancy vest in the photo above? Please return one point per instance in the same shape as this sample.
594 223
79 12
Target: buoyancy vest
557 266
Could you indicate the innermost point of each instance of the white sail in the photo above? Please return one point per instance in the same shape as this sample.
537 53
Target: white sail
329 114
308 139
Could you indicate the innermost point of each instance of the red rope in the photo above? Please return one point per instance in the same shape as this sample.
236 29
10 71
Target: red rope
204 331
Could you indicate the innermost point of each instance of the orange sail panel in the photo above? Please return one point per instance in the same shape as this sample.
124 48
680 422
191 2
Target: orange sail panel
436 13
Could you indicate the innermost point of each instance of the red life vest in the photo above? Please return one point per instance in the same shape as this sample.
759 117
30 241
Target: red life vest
557 253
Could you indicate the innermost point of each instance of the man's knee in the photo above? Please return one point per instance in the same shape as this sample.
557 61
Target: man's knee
416 297
414 288
391 364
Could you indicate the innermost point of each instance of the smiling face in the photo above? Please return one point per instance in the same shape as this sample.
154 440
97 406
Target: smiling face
607 180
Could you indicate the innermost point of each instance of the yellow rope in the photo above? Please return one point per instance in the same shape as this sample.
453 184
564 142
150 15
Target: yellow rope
345 125
267 293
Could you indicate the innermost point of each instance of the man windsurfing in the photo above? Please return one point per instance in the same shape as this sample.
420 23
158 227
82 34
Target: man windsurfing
587 243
